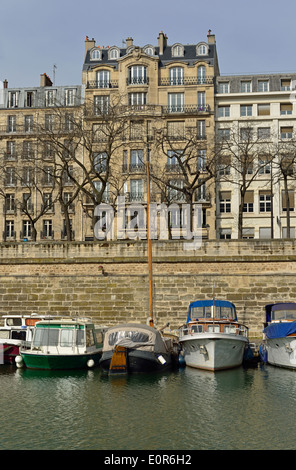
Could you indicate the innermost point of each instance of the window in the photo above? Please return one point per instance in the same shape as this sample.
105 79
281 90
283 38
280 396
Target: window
177 50
113 53
149 50
95 54
223 87
225 233
285 84
201 100
264 201
27 176
263 109
137 130
13 98
265 232
286 109
201 75
173 162
137 162
26 229
10 178
291 201
70 97
201 193
263 85
285 235
202 49
224 134
263 133
248 233
47 178
98 185
137 75
201 160
136 190
100 162
137 99
47 229
28 149
10 150
28 122
174 193
264 165
246 110
103 79
224 167
49 122
9 203
225 202
29 99
9 229
223 111
286 132
177 76
11 124
50 96
246 86
246 133
176 102
101 104
66 338
176 129
201 129
249 202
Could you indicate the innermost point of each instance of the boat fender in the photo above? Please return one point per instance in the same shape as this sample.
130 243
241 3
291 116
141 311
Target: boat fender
19 361
161 360
90 363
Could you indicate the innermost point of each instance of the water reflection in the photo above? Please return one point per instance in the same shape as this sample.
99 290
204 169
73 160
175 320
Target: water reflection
187 409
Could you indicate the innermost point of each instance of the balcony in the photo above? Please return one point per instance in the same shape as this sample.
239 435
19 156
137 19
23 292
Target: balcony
186 109
101 84
181 81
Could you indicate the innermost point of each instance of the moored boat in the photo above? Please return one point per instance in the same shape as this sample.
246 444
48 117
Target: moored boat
212 337
279 335
133 348
17 328
63 344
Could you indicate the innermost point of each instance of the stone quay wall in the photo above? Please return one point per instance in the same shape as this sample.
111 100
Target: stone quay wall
108 281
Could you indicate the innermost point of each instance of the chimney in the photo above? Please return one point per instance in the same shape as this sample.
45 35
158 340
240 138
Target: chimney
89 44
129 42
162 42
45 80
5 84
211 37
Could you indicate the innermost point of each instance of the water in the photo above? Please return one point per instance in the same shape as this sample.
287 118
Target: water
184 410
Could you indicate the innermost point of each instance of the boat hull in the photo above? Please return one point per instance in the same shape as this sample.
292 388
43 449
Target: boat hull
139 361
213 351
60 362
281 352
8 353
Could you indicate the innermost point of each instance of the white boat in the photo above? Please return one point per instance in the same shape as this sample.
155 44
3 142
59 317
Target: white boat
212 338
279 335
17 328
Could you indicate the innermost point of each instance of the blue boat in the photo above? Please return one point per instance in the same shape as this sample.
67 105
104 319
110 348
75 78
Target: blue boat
279 335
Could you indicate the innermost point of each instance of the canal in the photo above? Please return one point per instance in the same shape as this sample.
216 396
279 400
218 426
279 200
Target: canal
188 409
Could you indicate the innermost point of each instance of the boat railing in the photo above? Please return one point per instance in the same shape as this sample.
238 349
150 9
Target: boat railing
214 327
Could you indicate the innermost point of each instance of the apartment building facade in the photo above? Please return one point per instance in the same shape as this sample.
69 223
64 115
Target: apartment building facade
255 120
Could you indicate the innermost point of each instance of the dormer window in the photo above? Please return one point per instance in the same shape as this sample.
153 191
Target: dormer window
113 53
178 50
149 50
202 49
95 54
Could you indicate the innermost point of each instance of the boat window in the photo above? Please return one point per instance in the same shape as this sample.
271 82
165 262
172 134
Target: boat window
46 337
230 329
284 314
196 329
13 321
66 339
4 334
134 336
80 338
213 328
18 335
90 339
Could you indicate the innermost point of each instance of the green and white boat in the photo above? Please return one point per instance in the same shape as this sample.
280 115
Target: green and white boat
63 344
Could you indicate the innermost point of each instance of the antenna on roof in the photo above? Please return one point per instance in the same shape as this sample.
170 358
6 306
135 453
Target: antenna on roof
123 42
53 72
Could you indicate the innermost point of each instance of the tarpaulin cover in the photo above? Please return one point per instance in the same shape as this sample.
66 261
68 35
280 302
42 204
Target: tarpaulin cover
280 330
210 303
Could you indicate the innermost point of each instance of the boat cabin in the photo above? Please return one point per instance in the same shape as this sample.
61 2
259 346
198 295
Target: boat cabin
285 311
210 309
66 335
19 327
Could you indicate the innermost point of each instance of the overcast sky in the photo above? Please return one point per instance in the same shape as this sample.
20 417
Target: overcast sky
254 36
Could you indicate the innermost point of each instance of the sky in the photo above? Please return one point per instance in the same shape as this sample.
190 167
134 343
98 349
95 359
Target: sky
254 36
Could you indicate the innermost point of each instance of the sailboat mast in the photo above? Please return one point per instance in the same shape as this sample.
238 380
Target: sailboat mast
151 323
